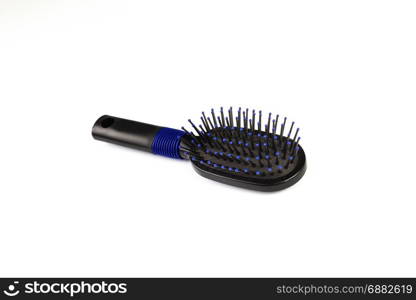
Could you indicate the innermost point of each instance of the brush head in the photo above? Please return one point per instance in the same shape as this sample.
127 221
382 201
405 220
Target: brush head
239 151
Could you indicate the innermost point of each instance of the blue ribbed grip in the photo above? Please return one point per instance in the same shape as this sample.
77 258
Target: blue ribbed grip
167 142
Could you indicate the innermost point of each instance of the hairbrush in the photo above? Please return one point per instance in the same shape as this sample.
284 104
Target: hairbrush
235 150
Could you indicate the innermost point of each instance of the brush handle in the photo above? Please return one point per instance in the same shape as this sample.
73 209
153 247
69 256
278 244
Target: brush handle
146 137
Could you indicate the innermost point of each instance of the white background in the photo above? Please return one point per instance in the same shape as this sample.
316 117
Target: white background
345 71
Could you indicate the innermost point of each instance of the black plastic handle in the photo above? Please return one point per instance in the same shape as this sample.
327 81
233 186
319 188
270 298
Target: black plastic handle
125 132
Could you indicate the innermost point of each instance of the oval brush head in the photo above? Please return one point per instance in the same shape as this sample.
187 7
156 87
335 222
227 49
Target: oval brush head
241 152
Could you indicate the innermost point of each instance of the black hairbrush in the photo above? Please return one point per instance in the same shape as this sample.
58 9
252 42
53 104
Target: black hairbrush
233 150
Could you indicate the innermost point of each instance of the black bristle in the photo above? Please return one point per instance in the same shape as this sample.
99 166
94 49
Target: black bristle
207 129
204 120
294 139
259 127
275 124
282 131
214 118
230 113
268 124
253 121
239 119
220 122
222 118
